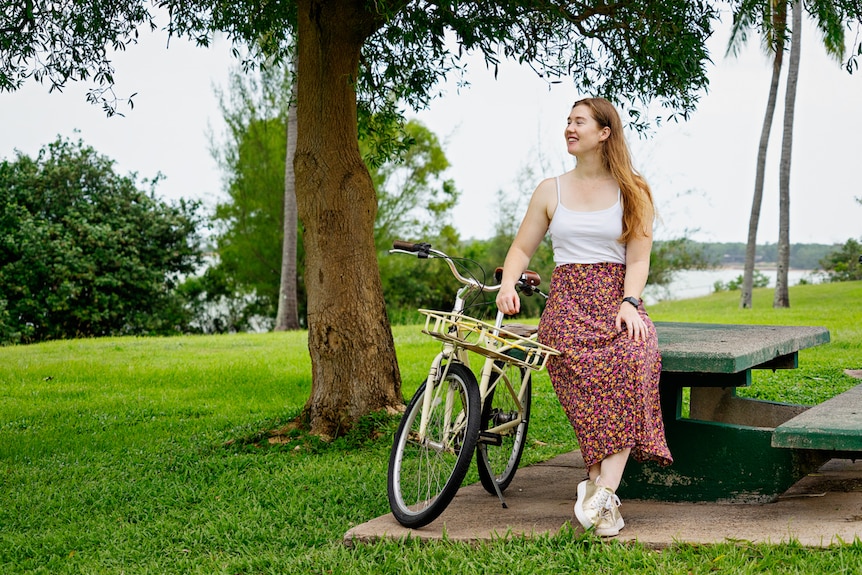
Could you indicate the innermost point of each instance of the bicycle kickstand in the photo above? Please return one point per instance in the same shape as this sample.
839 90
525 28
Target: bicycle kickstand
483 452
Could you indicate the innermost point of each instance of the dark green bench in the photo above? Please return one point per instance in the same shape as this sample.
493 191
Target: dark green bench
729 448
834 426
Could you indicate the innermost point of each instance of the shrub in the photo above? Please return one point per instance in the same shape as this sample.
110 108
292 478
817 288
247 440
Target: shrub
84 252
843 264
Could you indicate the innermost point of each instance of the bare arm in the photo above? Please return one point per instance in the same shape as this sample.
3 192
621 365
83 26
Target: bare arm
637 269
533 228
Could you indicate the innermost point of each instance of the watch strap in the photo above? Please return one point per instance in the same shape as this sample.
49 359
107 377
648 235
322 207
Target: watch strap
632 300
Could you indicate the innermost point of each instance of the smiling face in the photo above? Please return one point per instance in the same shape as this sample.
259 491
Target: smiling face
583 133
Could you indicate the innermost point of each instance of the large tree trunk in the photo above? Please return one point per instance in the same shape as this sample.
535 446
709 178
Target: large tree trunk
782 293
287 316
779 27
354 369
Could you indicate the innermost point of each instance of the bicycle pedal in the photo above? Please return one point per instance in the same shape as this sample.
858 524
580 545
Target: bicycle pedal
490 438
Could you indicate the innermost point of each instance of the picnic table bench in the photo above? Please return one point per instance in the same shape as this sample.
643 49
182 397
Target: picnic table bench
735 449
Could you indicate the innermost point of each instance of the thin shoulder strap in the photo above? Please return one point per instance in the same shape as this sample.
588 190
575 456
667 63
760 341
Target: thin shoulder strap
556 179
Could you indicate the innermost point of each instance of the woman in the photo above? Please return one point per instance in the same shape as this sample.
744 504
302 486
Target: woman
600 217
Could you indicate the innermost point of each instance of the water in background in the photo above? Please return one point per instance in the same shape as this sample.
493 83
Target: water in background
696 283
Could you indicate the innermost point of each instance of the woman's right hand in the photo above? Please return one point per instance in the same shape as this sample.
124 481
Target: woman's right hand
508 301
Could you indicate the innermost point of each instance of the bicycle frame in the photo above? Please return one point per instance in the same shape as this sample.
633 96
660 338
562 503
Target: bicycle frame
457 411
454 352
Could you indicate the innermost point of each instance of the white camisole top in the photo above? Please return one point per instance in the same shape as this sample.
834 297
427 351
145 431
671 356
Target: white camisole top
587 237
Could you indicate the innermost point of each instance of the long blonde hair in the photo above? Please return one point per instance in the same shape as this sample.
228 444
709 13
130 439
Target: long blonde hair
636 194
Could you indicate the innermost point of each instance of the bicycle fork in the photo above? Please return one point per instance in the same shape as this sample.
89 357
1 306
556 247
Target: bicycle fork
437 374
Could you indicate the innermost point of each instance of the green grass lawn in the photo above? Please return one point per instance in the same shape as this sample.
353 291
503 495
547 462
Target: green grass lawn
149 455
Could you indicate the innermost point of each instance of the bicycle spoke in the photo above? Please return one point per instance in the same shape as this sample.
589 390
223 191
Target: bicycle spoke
505 417
425 473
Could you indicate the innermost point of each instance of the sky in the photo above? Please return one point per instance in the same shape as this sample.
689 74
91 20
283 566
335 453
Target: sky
701 171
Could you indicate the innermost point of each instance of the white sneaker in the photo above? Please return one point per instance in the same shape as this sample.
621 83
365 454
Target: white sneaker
583 487
592 501
610 521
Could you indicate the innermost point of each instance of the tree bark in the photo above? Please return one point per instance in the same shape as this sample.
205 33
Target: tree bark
354 368
782 293
287 316
779 28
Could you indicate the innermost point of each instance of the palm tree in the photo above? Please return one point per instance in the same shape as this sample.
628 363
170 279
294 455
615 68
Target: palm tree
830 18
782 293
775 18
287 316
771 17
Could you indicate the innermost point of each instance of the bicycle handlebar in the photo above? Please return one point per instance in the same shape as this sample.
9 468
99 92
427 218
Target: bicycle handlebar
529 277
420 248
527 284
424 251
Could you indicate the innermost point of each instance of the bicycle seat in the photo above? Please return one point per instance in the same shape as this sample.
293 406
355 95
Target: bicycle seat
520 329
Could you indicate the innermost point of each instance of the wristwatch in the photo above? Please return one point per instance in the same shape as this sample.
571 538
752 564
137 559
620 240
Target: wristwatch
632 300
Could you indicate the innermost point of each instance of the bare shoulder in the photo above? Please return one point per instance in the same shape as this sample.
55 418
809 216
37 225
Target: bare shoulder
544 199
546 192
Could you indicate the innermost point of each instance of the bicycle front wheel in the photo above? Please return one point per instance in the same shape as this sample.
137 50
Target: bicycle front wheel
426 472
503 432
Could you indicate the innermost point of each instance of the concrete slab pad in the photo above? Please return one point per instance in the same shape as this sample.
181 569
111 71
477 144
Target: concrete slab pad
822 509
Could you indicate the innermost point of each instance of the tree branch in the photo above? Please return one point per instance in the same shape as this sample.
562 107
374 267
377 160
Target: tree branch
26 18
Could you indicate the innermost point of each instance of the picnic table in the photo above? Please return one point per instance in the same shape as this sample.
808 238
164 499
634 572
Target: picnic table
730 448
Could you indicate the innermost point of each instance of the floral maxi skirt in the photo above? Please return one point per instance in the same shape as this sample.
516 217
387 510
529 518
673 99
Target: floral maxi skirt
606 382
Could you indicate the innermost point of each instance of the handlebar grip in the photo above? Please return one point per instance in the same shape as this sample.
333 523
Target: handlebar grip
406 246
423 250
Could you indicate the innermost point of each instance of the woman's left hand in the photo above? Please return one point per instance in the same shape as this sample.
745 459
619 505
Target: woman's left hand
633 321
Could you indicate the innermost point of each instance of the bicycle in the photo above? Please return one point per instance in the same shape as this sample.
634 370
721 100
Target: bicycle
452 414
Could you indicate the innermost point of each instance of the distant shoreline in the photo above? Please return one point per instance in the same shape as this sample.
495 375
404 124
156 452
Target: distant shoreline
695 283
767 267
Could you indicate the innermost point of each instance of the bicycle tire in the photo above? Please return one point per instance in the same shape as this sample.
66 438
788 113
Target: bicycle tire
424 477
504 450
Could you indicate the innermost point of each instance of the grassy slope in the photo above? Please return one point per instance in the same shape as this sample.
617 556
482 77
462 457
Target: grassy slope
140 456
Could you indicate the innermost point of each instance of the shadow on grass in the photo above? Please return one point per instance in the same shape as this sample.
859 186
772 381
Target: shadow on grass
292 435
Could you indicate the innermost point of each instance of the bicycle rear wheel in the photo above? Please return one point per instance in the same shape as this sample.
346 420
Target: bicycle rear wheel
424 474
504 447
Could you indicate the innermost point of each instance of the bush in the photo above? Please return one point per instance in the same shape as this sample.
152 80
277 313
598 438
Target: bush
843 264
83 252
671 256
759 281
